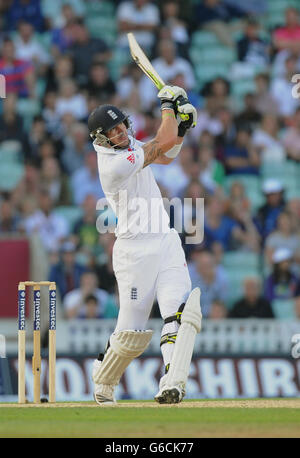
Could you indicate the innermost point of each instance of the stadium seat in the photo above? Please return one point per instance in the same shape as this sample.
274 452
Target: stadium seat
70 213
203 39
28 108
103 8
10 176
242 259
252 185
10 152
236 277
284 309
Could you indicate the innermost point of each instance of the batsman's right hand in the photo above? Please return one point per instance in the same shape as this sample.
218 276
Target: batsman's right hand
168 96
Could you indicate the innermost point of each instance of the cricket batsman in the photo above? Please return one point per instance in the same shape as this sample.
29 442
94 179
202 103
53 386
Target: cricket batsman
148 259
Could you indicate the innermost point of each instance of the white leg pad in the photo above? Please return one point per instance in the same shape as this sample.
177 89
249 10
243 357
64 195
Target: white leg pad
124 347
190 325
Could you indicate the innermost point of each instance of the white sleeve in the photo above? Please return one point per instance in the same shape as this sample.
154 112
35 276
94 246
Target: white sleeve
173 152
128 164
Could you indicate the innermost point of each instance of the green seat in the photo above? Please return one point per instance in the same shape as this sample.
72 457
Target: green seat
219 54
10 176
10 152
102 8
70 213
28 108
236 277
207 72
252 185
204 39
242 87
102 27
241 259
284 309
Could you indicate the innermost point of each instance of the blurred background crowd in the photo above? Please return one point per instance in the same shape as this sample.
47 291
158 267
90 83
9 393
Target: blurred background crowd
237 62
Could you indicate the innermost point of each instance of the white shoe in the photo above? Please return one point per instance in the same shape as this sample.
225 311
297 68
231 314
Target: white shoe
169 394
103 394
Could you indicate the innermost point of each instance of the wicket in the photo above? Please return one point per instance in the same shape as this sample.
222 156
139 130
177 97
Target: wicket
36 359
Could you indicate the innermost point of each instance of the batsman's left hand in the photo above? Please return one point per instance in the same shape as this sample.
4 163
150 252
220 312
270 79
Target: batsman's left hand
186 111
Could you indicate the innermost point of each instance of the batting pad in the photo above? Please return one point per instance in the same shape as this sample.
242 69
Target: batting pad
124 347
190 324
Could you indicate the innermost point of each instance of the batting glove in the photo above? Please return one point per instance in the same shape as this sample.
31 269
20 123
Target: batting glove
168 96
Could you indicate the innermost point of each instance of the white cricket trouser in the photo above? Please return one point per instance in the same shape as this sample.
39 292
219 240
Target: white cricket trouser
146 269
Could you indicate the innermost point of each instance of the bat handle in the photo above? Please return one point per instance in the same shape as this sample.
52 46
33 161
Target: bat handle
184 117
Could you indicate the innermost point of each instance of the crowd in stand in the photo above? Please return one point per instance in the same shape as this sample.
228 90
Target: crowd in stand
49 56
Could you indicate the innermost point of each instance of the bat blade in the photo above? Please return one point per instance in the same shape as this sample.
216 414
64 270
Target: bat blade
143 62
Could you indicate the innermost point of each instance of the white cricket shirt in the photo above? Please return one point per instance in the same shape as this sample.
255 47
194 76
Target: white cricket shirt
132 191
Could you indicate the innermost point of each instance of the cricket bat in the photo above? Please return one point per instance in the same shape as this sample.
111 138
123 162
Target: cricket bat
145 65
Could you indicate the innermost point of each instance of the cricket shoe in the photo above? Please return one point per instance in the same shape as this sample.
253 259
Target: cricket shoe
103 394
169 394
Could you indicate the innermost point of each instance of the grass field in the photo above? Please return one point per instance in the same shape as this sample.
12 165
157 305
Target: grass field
190 419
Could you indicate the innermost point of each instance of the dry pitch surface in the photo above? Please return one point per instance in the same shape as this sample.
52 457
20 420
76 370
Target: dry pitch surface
133 419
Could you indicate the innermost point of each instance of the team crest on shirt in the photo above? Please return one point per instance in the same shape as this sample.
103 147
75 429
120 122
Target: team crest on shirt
131 158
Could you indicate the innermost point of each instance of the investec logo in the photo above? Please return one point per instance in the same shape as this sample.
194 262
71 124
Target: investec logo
37 311
52 314
22 301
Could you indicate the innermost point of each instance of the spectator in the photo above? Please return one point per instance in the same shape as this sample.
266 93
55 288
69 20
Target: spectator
74 300
76 145
266 216
28 48
168 65
100 84
291 138
205 275
215 16
217 226
37 135
288 36
67 272
267 140
249 116
133 80
11 125
252 304
140 17
283 237
282 283
85 180
241 156
178 29
251 48
55 182
103 263
218 311
9 219
69 101
91 309
28 10
212 173
50 116
85 232
85 50
62 70
217 95
19 74
51 228
61 37
281 89
264 101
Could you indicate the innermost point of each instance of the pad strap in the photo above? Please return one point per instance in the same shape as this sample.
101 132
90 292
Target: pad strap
177 316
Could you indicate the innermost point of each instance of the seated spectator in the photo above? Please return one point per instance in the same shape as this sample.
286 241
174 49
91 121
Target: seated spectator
288 36
74 300
63 69
67 272
28 48
227 134
241 157
50 116
12 126
9 219
85 232
251 48
30 184
70 101
29 10
76 145
281 89
264 102
55 182
178 29
85 180
282 283
141 17
217 95
218 311
51 228
217 226
212 283
293 208
283 237
249 116
19 74
90 309
291 138
267 141
215 16
169 65
85 50
246 235
37 134
212 173
100 84
266 216
252 304
61 37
